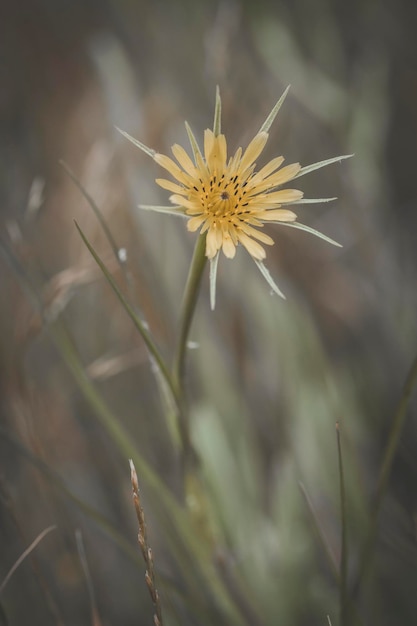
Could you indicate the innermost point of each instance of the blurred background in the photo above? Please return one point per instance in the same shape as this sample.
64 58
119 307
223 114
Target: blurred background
268 379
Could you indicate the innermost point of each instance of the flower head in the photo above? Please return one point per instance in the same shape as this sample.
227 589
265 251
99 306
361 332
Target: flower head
227 198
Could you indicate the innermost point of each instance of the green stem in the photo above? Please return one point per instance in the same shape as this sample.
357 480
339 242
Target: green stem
188 307
139 325
189 302
384 474
343 552
394 436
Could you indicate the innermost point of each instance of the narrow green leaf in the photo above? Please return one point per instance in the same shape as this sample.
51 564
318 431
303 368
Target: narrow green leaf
310 230
217 113
139 324
213 277
183 541
313 200
343 584
316 166
137 143
265 273
269 120
194 145
94 208
178 211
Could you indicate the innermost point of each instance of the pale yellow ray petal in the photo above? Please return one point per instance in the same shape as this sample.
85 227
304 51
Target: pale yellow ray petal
176 199
211 243
253 232
168 164
253 150
266 239
206 226
168 184
228 246
208 145
253 247
277 215
221 150
219 235
194 223
284 175
202 170
183 159
234 161
215 150
195 210
283 196
267 169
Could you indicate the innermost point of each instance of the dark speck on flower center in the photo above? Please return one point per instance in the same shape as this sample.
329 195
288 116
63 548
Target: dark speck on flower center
224 195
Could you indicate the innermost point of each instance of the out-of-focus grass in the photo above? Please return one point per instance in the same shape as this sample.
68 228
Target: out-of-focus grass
268 379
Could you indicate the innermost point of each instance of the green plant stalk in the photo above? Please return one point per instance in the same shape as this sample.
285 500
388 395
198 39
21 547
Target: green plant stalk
384 474
94 208
189 302
58 483
150 344
394 437
343 552
203 580
184 543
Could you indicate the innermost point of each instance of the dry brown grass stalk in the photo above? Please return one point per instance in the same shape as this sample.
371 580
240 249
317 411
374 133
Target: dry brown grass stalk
145 549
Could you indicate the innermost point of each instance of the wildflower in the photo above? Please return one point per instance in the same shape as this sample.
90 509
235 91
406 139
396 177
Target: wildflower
229 200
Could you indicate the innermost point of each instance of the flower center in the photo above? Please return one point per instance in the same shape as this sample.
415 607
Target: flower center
221 197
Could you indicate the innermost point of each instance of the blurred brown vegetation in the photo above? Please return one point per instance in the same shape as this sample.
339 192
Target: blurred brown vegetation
269 379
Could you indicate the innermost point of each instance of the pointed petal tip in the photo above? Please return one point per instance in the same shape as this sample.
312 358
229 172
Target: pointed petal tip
316 200
149 151
213 277
316 166
269 120
168 210
265 273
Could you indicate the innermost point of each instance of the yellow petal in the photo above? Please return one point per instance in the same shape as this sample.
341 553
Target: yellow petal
234 161
211 243
263 237
283 196
168 184
194 223
253 150
215 150
221 146
285 174
279 178
268 169
252 232
278 215
183 159
176 199
253 247
168 164
228 247
209 139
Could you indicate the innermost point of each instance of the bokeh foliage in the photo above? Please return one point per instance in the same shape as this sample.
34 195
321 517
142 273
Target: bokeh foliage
268 379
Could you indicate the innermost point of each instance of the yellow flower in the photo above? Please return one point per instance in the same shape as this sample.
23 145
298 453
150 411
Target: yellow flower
227 198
